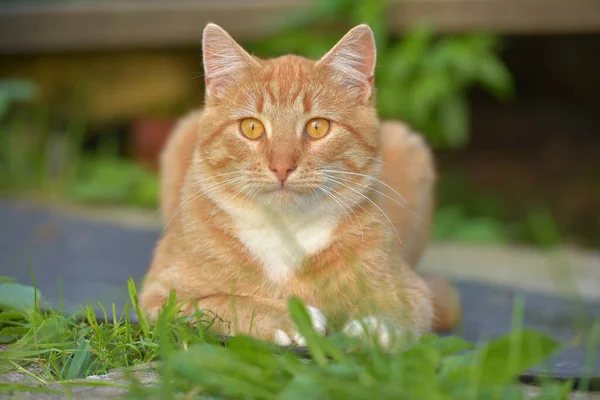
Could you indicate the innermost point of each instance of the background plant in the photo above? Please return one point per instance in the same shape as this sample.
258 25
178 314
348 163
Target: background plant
14 90
422 79
40 155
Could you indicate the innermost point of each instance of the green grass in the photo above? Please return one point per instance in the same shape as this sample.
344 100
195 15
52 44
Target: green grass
197 363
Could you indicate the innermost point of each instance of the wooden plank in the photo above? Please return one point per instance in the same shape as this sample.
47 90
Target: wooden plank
113 24
116 24
521 17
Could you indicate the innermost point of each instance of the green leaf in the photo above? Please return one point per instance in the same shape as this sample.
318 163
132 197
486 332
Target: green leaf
495 76
221 371
417 42
342 341
133 297
17 297
544 229
446 345
481 230
303 322
18 89
302 387
555 391
491 365
454 118
448 220
415 369
10 316
80 361
11 334
254 351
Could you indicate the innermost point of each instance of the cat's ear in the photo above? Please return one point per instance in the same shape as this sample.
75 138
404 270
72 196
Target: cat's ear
353 58
224 59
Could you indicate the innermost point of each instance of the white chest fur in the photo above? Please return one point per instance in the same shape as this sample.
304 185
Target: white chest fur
281 243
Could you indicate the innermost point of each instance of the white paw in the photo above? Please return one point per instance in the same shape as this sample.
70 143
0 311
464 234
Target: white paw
319 323
372 327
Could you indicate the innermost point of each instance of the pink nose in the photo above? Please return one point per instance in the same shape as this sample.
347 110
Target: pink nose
282 167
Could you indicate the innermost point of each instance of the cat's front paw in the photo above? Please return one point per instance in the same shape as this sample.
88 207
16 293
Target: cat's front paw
319 323
380 329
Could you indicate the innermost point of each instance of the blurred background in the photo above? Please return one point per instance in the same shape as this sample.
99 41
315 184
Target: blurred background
507 92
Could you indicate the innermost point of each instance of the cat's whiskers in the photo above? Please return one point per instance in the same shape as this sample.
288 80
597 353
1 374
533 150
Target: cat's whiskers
406 203
212 187
230 197
314 197
196 195
378 160
404 206
159 210
345 207
217 176
336 200
252 189
366 198
200 181
356 204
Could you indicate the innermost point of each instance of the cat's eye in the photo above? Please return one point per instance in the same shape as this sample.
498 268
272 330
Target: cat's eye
252 128
317 128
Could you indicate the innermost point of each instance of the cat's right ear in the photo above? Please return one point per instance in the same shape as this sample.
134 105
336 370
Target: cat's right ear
353 59
224 60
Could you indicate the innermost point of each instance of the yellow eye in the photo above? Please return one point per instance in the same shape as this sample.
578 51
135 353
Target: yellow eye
252 128
317 128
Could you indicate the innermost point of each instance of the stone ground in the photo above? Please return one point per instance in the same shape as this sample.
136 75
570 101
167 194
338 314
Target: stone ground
56 240
569 270
76 392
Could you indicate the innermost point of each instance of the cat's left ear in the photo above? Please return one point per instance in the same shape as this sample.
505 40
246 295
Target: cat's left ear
224 60
353 58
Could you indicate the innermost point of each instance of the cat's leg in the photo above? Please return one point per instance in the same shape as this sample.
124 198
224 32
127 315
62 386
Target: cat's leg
398 308
175 160
233 315
408 169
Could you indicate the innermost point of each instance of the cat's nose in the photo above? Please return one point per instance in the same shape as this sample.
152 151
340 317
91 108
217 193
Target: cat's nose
282 167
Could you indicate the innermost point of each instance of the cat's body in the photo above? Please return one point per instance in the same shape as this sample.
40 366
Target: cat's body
338 221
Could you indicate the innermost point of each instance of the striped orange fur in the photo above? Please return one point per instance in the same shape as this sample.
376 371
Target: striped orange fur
342 231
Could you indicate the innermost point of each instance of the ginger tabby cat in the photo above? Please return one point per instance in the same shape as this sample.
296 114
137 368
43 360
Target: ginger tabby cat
287 184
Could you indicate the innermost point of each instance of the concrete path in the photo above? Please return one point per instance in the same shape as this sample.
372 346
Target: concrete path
565 271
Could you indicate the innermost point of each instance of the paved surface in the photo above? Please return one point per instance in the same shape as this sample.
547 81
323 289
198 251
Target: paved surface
93 259
558 272
75 391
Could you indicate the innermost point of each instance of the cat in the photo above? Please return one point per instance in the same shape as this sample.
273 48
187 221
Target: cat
287 184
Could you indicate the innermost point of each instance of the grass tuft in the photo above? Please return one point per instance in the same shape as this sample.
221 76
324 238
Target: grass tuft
192 361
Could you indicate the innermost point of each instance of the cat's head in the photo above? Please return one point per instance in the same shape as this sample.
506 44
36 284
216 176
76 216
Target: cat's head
289 132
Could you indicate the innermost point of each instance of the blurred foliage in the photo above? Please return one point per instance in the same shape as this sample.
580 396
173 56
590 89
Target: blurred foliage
112 180
13 90
453 222
35 157
472 215
422 79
